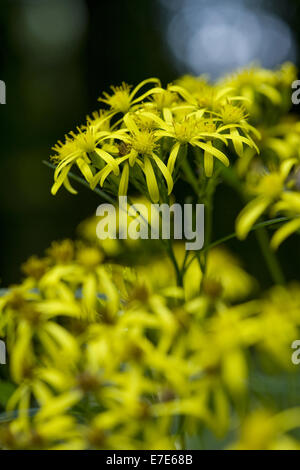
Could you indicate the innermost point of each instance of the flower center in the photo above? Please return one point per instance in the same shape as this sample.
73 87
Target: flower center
144 142
232 114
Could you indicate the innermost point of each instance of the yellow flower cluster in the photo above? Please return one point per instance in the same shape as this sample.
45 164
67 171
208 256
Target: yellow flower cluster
269 180
108 346
109 357
266 92
142 138
148 139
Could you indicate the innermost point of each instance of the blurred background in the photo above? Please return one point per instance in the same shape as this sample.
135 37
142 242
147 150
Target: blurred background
57 56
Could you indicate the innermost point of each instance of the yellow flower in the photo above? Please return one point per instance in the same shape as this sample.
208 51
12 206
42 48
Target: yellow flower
202 95
268 190
61 252
254 80
105 355
140 150
99 120
122 99
83 149
289 205
264 90
35 267
195 131
225 279
263 430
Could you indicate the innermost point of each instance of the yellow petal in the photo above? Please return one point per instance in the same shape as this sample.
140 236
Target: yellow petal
165 172
58 405
143 83
249 215
85 169
208 162
151 181
109 160
173 156
213 151
89 292
270 93
238 145
68 186
234 371
60 180
284 232
123 187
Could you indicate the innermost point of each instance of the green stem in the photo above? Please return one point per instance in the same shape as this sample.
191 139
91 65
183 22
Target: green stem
189 174
269 255
208 203
186 254
208 207
193 181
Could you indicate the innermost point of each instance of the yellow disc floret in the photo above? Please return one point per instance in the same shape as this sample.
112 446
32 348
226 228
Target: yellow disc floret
119 100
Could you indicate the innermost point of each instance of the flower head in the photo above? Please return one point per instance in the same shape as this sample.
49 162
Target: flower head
119 100
268 190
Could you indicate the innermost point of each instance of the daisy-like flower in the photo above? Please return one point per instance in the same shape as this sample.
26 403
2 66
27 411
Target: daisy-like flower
190 130
268 190
263 87
273 431
283 139
139 146
202 95
83 148
254 80
122 99
100 120
198 131
135 143
233 118
277 143
225 279
289 205
165 99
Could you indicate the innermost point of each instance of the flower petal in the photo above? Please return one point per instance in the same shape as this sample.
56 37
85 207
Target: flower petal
249 215
123 186
151 180
165 172
213 151
109 160
284 232
173 156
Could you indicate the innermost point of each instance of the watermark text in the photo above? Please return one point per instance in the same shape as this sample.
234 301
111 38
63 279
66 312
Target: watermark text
159 221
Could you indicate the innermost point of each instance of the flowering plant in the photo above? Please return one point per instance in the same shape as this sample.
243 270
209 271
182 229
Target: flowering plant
134 344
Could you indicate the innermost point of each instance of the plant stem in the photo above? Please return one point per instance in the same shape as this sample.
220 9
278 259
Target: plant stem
208 195
269 255
192 180
208 207
186 254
